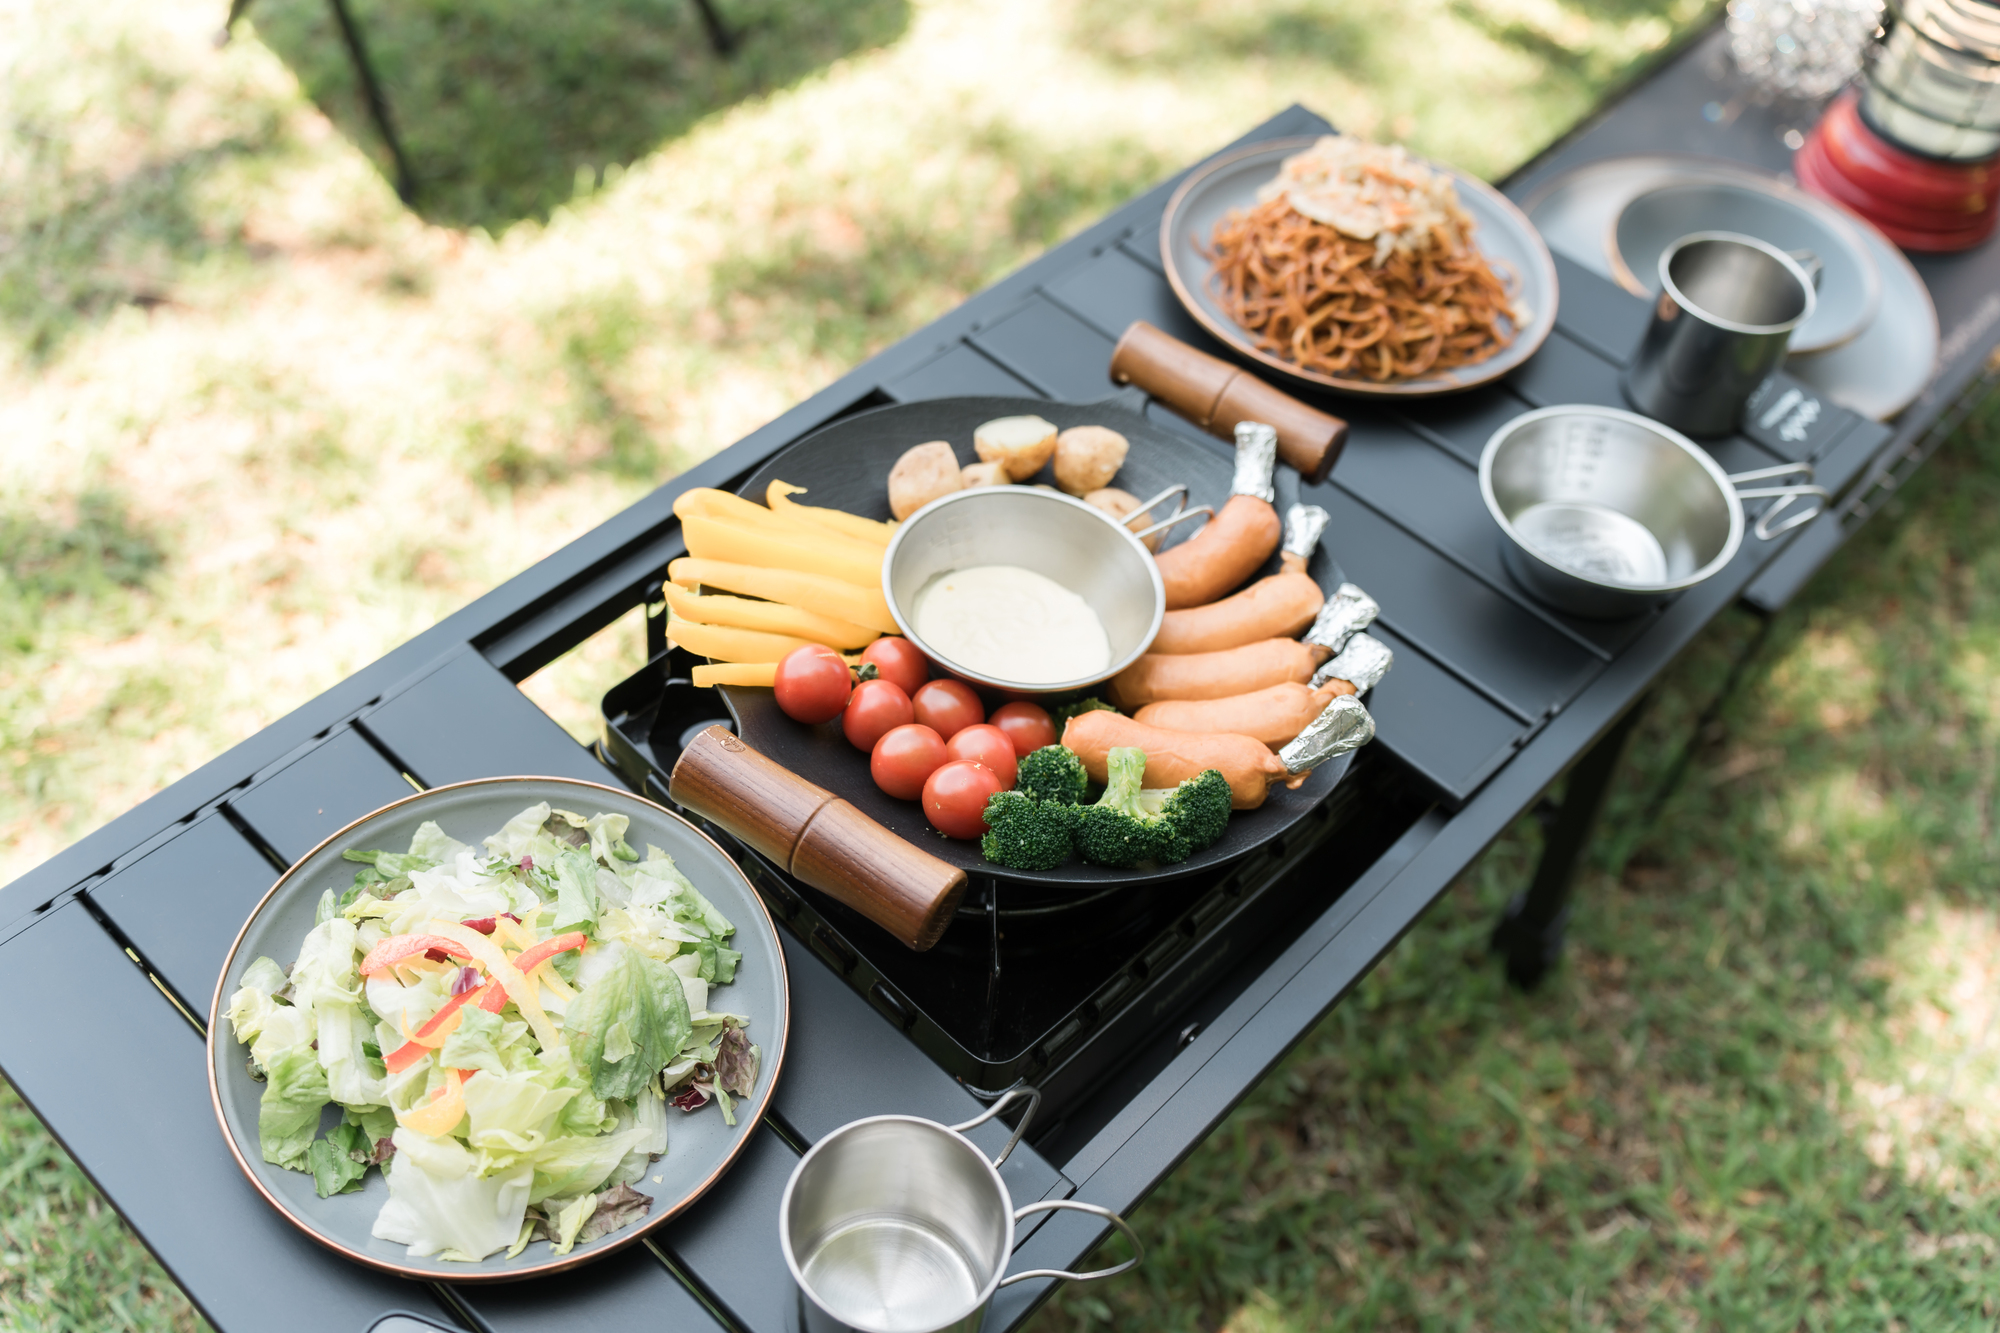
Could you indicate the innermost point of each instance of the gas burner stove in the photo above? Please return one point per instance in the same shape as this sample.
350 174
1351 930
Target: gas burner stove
1032 984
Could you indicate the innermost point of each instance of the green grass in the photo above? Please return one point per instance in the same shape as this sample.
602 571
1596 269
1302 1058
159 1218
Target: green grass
259 424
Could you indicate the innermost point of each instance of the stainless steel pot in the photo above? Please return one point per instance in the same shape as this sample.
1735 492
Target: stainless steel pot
1607 512
1728 304
897 1224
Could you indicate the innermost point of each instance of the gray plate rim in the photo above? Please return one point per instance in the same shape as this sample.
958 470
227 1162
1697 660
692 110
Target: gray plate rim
1695 166
1775 189
1538 283
431 1269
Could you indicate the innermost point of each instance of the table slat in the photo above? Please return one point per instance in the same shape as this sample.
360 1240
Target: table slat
1112 290
322 791
1048 346
175 1180
1437 724
631 1290
465 720
1598 313
959 373
729 1240
183 902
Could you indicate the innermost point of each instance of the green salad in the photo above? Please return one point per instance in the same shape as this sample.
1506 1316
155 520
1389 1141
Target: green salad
503 1032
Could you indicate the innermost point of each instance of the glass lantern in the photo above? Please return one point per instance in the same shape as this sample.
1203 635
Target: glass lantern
1933 83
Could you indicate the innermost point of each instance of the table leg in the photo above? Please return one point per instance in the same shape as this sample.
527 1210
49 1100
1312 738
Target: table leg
1529 934
719 35
371 94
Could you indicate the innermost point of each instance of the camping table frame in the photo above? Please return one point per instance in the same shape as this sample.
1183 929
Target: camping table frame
113 946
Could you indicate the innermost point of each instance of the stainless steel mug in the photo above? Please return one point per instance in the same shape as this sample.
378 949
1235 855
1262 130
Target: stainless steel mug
1727 307
897 1224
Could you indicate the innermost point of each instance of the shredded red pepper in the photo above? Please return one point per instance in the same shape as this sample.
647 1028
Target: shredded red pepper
400 948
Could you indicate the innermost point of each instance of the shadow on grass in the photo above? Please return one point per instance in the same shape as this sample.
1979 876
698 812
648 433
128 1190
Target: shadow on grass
505 106
1756 1095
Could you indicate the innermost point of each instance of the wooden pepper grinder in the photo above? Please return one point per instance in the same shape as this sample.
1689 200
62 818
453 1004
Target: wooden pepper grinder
1215 396
818 837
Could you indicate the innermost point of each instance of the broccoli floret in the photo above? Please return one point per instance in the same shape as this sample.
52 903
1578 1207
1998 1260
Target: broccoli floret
1119 830
1198 809
1024 833
1061 716
1052 773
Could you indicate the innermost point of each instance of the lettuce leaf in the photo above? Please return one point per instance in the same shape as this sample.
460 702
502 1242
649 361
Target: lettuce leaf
627 1023
617 1207
439 1204
353 1078
512 1113
288 1113
335 1167
576 892
573 1165
434 845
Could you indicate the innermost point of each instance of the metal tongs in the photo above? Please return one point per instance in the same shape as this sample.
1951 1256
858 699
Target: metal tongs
1181 512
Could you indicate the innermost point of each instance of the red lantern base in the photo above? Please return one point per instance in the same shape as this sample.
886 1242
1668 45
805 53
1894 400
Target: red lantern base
1920 204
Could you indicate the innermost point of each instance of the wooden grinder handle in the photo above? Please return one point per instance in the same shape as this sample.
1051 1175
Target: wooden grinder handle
1216 395
817 836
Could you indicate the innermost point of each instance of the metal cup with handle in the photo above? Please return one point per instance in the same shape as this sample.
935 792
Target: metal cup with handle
897 1224
1727 307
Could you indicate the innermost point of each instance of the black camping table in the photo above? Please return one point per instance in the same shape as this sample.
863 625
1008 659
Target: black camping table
113 946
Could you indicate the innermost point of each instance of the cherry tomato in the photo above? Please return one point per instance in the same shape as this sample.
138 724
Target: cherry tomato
948 707
985 744
898 660
904 758
812 684
955 798
1027 725
876 708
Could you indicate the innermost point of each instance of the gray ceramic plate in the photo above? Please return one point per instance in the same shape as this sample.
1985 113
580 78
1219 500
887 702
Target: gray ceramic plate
1504 235
1849 289
700 1147
1878 373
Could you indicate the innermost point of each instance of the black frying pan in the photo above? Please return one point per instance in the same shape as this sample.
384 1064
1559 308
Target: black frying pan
845 465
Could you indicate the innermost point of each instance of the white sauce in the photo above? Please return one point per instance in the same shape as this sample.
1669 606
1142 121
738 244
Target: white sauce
1011 624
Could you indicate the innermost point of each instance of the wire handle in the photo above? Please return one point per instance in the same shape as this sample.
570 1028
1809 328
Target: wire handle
1001 1103
1077 1206
1765 529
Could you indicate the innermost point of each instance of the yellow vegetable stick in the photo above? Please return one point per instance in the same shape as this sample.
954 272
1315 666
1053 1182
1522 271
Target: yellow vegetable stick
727 539
706 502
822 592
779 494
726 643
774 617
745 673
736 673
441 1114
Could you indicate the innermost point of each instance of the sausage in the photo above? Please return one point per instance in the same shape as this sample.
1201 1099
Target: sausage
1252 666
1273 716
1172 757
1278 607
1225 552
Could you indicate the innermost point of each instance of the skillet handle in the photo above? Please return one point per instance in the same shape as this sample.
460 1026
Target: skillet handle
817 836
1215 396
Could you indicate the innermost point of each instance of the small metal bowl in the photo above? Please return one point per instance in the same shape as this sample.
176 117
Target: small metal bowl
1605 511
1081 547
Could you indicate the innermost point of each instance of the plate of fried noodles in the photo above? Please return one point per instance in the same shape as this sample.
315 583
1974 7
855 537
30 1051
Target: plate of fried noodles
1359 267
